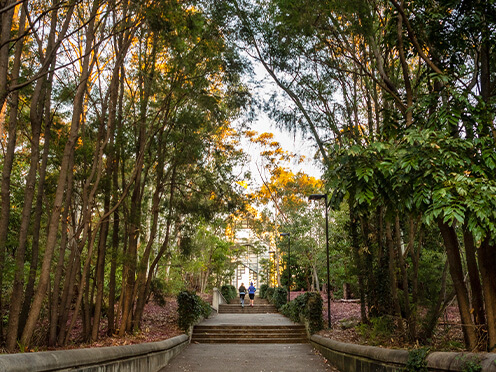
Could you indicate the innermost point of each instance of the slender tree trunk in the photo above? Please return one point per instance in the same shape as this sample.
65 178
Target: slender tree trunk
392 277
404 278
8 159
487 265
115 231
28 294
356 255
5 35
73 268
434 313
61 186
100 272
456 272
36 116
475 284
58 304
141 282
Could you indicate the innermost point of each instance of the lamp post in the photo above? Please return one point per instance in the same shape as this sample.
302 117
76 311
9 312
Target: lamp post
289 264
318 197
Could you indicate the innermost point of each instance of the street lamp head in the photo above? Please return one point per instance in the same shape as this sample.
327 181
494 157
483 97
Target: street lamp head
316 196
285 234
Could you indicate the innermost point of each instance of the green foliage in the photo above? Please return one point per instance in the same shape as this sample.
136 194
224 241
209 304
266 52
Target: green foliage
279 297
229 292
306 308
263 290
190 308
470 363
379 329
417 360
269 293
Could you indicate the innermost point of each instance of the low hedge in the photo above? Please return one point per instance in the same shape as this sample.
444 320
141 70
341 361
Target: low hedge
229 292
263 290
269 293
306 308
280 297
190 308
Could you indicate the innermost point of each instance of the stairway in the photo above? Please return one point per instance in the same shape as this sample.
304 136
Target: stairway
260 306
262 334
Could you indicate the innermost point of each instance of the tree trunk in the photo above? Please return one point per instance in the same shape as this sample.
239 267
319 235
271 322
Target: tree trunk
61 186
392 277
356 256
28 294
455 265
115 231
36 118
8 159
434 313
487 265
73 267
404 276
475 284
57 304
5 35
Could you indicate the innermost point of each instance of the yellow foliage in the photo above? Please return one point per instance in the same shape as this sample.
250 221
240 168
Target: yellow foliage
244 184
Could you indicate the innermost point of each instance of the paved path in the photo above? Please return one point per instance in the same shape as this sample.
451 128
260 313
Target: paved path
251 357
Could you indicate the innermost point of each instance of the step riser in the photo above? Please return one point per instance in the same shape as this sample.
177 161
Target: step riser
262 327
252 341
245 335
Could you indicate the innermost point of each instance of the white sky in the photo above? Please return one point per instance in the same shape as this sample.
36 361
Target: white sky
264 87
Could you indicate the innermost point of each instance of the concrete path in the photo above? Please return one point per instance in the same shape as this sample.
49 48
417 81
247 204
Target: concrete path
251 357
247 319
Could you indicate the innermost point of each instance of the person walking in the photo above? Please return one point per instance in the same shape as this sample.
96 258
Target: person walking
242 292
251 293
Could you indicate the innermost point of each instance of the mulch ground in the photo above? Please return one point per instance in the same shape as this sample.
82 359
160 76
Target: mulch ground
160 322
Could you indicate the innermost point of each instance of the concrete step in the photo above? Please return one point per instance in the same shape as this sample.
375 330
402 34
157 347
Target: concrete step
271 340
264 327
249 334
258 301
238 309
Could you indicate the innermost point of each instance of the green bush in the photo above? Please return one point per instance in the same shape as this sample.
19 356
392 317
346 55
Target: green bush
379 329
269 293
306 308
190 308
263 290
280 297
229 292
417 360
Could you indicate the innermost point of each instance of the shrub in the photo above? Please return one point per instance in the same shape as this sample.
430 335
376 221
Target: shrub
379 329
280 297
190 308
269 293
306 308
263 290
229 292
417 360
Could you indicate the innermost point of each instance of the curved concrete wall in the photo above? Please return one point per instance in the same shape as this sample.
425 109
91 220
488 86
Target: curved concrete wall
360 358
148 357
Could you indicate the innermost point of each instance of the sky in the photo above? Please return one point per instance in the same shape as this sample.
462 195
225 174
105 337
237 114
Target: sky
263 86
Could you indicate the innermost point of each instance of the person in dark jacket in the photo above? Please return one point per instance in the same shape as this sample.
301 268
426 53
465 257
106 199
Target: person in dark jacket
242 292
251 293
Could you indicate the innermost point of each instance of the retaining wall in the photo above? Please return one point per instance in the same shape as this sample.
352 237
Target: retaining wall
360 358
148 357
